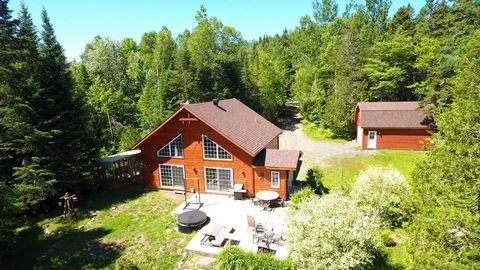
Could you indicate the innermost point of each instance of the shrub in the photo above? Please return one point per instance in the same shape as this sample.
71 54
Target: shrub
300 195
315 132
234 258
314 180
331 232
385 191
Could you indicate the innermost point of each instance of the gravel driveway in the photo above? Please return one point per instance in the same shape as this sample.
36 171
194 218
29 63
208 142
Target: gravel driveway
314 152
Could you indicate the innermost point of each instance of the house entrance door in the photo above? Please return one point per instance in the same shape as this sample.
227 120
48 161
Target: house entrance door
372 140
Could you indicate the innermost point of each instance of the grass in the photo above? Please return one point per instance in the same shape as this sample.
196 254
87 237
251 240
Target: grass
319 134
340 173
116 229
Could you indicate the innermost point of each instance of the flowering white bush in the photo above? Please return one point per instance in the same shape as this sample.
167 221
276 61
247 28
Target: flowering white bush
384 191
331 232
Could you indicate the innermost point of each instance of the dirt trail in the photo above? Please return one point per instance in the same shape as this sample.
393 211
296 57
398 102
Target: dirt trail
314 152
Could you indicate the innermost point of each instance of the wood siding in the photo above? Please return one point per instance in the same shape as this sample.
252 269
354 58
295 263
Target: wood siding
265 183
405 139
193 161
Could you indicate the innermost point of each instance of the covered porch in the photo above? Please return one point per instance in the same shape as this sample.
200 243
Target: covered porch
122 168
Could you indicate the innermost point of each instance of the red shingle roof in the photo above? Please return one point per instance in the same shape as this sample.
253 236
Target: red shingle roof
405 114
276 158
236 122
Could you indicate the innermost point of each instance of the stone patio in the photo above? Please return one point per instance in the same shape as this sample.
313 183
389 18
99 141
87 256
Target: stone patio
224 210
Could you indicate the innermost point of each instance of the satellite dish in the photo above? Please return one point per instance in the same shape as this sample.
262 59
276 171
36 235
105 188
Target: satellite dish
146 126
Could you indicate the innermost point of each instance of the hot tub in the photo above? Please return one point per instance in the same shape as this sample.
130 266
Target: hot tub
191 220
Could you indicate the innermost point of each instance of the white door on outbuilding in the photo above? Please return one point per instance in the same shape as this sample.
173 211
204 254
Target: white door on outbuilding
372 139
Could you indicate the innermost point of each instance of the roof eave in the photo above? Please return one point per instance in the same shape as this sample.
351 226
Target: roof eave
397 127
139 143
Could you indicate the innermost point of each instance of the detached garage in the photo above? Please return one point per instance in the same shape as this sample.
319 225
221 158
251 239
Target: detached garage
392 125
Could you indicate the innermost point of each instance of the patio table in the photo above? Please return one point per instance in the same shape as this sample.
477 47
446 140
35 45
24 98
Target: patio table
266 196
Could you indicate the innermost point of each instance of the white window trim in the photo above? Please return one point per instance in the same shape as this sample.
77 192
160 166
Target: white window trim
205 179
158 151
271 179
218 145
160 175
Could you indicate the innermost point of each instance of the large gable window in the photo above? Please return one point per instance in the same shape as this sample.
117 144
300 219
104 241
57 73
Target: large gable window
211 150
171 176
173 149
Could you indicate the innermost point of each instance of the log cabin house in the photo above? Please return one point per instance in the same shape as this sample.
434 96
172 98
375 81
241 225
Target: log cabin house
392 125
211 146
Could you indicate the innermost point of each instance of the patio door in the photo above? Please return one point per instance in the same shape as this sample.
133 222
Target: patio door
218 179
372 140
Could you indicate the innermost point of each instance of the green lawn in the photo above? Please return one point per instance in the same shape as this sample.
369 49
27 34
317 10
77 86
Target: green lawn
319 134
131 227
340 173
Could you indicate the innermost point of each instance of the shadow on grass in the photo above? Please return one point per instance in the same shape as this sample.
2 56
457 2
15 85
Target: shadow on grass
67 249
381 262
70 247
108 198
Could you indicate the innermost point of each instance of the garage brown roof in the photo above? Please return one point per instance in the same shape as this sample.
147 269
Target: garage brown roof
402 114
275 158
237 122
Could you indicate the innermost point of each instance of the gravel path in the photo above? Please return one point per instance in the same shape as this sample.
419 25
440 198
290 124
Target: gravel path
314 152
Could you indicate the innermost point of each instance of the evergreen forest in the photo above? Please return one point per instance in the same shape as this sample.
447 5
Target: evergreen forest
58 117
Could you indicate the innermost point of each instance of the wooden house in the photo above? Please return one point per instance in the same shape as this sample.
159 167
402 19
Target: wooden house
211 146
392 125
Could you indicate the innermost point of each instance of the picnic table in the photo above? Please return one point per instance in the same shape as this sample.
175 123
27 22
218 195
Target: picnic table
265 197
216 235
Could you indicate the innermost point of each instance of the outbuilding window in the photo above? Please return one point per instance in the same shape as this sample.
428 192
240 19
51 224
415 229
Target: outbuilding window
275 179
173 149
211 150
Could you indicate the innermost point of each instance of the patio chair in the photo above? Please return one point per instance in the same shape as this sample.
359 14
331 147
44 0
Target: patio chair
277 239
257 229
256 226
280 202
253 200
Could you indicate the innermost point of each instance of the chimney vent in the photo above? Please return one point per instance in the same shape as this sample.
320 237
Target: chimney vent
215 101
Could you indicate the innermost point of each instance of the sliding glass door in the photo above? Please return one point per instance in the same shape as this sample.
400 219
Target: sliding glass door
218 179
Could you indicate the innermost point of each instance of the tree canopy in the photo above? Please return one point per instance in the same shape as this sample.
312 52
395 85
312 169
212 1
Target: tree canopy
57 118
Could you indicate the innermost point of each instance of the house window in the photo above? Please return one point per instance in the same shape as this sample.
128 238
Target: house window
275 179
218 179
211 150
171 176
173 149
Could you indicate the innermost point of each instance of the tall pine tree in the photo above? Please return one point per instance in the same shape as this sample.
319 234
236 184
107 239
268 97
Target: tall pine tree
60 149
